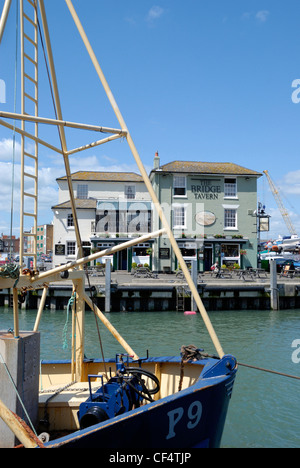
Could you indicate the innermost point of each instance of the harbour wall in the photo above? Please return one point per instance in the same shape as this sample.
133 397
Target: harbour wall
166 295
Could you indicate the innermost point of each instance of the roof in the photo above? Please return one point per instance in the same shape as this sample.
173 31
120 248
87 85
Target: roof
196 167
105 176
83 204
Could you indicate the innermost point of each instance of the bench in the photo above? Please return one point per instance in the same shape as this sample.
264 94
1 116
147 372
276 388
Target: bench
180 275
223 273
246 275
96 271
259 272
144 272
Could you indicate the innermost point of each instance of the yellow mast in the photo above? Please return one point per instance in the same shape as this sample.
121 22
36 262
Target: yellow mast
42 280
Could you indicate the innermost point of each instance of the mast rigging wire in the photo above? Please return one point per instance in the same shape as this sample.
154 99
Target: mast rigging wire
14 134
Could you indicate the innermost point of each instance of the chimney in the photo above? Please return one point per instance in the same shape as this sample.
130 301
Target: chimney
156 161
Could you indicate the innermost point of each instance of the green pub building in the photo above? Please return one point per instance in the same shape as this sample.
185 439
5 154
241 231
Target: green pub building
211 208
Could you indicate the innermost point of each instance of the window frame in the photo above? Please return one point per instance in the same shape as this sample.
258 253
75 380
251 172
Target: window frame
82 191
227 226
133 193
179 186
228 186
70 244
70 220
177 216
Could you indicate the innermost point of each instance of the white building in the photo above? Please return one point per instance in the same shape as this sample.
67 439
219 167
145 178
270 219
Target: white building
110 207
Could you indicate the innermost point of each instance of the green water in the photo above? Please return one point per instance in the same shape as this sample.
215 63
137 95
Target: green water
264 409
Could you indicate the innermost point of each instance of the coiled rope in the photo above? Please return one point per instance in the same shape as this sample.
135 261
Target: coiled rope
10 270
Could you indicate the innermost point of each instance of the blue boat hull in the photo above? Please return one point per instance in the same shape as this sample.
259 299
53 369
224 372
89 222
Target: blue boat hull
191 418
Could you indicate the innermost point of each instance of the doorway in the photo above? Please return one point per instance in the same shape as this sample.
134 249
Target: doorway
208 257
123 260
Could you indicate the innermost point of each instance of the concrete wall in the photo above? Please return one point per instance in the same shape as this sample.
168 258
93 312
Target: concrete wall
22 361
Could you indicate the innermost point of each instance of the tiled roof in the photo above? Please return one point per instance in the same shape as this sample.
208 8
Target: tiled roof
89 203
196 167
105 176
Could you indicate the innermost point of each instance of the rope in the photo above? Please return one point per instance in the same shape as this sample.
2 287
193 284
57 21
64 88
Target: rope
45 421
188 353
65 329
270 371
97 325
10 270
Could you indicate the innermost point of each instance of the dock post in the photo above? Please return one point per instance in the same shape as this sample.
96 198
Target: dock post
19 375
273 285
194 278
107 285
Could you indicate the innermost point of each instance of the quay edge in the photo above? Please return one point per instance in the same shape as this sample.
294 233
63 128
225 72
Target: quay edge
166 294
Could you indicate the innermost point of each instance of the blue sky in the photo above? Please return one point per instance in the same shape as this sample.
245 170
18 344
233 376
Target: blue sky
195 80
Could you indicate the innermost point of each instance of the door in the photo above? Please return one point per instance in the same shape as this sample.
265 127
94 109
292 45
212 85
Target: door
207 258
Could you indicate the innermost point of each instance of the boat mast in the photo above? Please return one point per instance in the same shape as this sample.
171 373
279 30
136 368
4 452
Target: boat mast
4 16
40 280
29 103
148 184
61 130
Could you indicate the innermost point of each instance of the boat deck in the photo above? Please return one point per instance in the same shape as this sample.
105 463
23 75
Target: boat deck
59 398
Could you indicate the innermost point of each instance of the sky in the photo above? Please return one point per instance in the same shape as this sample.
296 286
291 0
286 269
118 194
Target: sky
195 80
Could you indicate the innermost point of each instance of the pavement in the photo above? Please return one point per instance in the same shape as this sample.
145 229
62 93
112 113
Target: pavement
163 280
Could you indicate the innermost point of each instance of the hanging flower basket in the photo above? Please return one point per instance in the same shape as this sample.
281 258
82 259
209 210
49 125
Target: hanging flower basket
243 252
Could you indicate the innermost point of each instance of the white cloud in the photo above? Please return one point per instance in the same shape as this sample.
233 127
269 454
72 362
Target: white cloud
155 13
51 167
6 149
290 183
262 15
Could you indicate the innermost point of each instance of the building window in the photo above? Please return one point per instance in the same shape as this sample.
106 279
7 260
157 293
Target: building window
82 191
179 217
71 248
130 192
230 250
230 189
70 221
179 184
230 218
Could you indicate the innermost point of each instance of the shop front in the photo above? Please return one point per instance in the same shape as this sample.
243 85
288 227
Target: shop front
228 253
140 254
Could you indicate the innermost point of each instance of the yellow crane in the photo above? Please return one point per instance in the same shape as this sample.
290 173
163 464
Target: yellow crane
281 207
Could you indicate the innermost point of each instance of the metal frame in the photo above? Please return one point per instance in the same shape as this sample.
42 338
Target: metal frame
41 280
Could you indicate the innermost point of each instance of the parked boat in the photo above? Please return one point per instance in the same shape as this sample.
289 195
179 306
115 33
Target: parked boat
157 403
125 402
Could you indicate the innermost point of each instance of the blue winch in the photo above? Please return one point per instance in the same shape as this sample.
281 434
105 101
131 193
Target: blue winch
120 394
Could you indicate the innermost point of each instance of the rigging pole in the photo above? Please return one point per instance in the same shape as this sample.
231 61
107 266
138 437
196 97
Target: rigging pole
29 105
35 119
283 211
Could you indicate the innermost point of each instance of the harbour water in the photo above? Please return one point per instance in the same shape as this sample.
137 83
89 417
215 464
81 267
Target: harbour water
264 409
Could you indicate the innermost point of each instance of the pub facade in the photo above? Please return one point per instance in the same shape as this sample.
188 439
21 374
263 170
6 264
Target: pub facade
211 208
